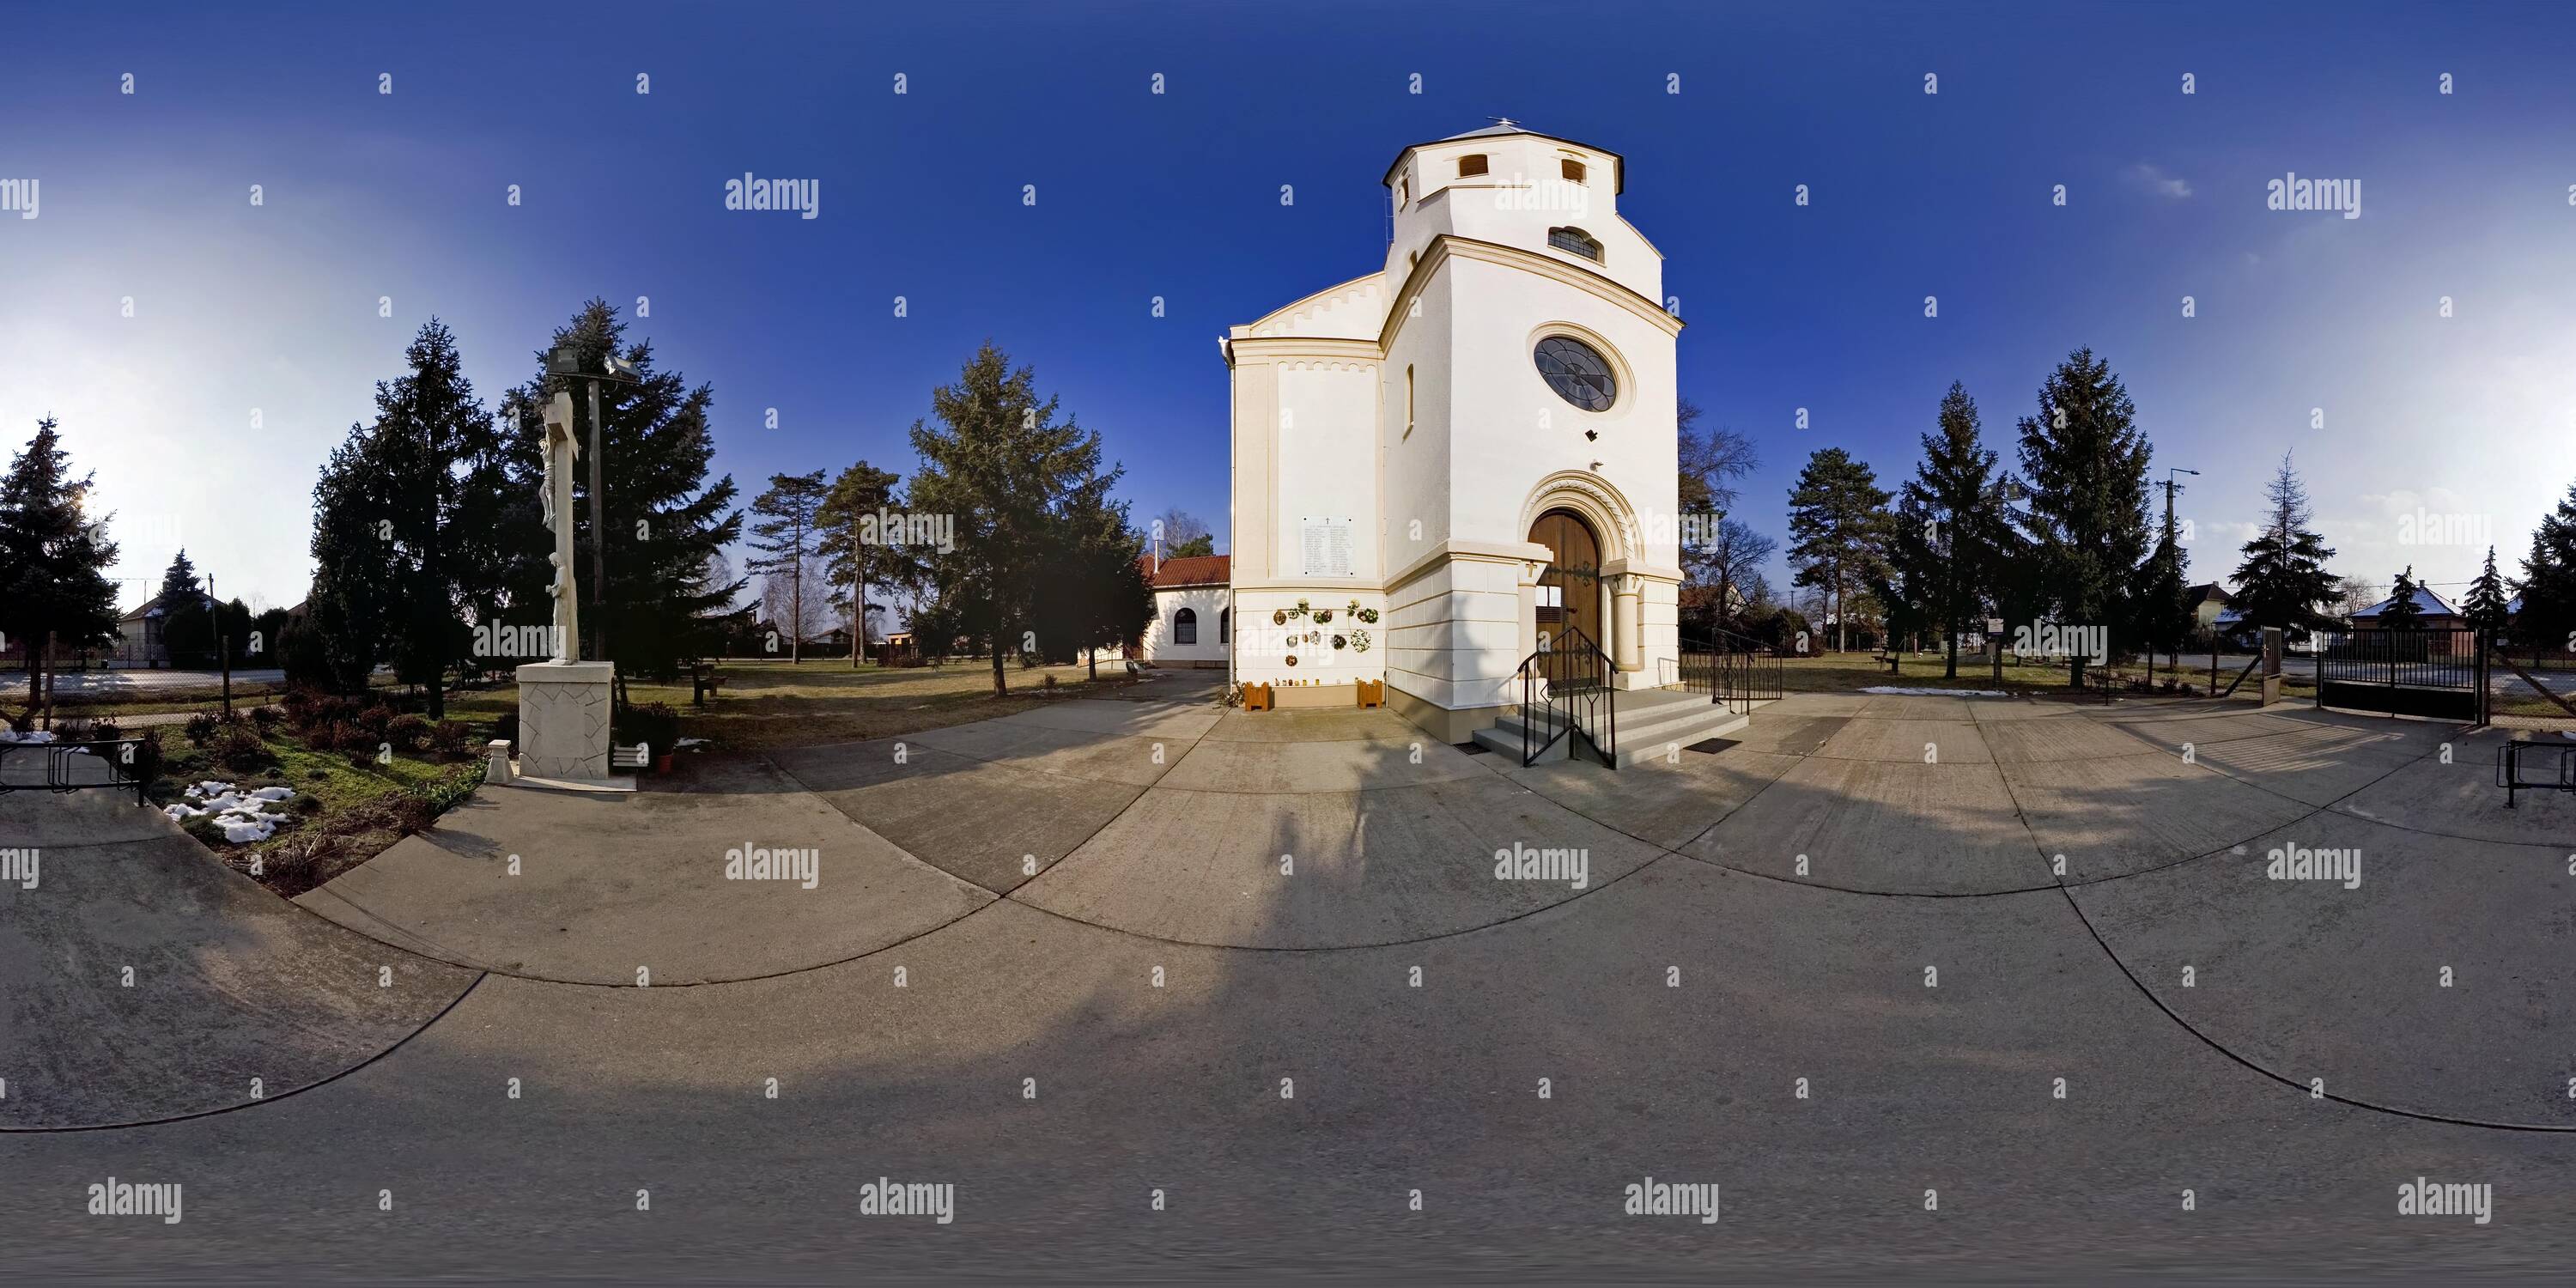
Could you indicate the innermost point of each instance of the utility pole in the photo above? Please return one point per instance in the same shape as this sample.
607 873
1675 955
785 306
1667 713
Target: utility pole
2174 659
223 642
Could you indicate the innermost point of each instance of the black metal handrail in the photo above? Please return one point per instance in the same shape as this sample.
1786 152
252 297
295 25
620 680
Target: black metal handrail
122 757
1567 692
1730 669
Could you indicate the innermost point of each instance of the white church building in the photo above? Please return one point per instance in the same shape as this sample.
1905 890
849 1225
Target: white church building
1474 444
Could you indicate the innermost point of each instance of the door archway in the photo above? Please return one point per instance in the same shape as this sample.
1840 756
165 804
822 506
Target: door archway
1569 592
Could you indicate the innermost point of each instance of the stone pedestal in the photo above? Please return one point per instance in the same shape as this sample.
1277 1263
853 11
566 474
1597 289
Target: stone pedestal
563 721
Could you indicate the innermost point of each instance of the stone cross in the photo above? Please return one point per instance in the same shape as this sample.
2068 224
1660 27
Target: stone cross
562 445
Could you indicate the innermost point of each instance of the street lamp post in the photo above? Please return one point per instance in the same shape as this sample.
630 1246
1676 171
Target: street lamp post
2170 484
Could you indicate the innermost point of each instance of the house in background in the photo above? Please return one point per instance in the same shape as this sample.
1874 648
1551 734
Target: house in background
2208 600
2438 616
1193 611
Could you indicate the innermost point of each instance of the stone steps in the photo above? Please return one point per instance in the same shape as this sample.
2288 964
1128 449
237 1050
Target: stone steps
1650 723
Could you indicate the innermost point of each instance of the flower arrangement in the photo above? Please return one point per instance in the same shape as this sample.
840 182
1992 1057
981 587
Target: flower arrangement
1368 615
1359 641
1339 642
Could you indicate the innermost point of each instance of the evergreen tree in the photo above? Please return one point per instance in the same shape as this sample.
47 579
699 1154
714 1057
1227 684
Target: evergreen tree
855 549
54 557
2283 581
1002 467
1835 517
1957 539
2084 461
2548 584
2163 617
2483 606
187 628
785 533
664 518
409 521
2402 613
1095 594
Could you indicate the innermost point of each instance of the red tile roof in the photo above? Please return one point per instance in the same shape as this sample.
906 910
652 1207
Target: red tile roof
1197 570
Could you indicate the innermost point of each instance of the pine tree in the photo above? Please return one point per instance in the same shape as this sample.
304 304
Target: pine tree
855 550
785 533
2085 463
2548 584
2283 581
1000 466
2402 613
664 518
1835 517
2483 606
1956 544
54 556
187 628
409 523
1094 594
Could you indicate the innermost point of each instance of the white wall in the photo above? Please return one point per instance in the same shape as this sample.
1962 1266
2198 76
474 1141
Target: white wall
1207 602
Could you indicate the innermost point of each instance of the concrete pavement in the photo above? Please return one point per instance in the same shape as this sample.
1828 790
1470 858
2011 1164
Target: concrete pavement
1126 1024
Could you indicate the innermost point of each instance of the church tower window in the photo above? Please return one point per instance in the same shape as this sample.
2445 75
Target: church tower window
1575 241
1577 372
1471 165
1572 169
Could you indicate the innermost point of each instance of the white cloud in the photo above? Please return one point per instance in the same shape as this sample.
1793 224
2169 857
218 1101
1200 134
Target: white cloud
2153 179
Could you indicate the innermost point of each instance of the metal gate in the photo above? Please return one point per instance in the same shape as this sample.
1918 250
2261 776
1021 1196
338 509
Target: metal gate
2439 673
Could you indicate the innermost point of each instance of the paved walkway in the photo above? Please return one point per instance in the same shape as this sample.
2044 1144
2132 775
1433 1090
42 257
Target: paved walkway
1056 960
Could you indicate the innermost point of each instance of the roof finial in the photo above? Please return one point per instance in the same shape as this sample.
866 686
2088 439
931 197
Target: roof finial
1505 120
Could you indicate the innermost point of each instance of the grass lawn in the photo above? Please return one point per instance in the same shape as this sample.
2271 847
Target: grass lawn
765 704
1848 672
341 815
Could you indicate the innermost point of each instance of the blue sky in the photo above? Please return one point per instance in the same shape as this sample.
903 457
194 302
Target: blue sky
2470 418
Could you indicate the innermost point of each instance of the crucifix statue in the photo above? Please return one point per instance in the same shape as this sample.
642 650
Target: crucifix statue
562 445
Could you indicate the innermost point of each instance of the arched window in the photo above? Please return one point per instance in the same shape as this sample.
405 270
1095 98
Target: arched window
1224 625
1185 627
1575 241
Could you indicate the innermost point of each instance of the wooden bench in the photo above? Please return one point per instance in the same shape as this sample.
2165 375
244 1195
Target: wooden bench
704 683
1890 658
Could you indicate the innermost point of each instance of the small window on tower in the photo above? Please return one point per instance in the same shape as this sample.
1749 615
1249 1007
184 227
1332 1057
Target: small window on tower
1575 241
1471 166
1573 169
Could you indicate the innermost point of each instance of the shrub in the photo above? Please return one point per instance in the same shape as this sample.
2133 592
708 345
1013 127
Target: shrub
505 728
201 728
653 724
239 749
264 717
147 757
375 721
23 722
305 803
447 739
407 732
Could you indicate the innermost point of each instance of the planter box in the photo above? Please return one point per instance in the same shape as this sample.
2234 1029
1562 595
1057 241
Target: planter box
1372 693
1316 695
1256 697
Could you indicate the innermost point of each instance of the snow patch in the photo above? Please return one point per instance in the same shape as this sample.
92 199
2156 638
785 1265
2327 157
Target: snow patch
237 812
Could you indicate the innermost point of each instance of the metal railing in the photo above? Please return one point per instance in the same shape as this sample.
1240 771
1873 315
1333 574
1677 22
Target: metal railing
2405 672
1732 670
72 766
1567 692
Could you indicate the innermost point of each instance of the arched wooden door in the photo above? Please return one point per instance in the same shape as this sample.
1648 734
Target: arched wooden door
1570 591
